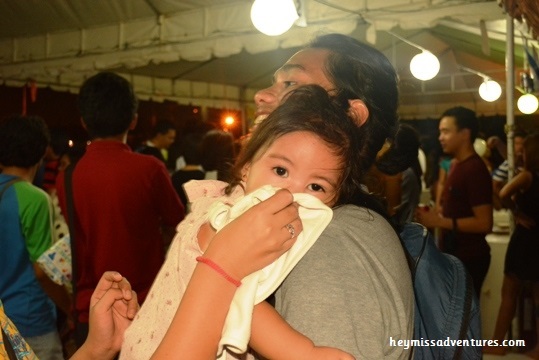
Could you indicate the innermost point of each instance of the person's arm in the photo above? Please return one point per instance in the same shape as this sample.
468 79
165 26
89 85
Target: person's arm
442 174
480 222
238 250
496 188
57 293
521 182
112 308
273 338
393 192
494 142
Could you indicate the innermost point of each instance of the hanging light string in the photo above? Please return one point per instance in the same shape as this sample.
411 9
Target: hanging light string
407 41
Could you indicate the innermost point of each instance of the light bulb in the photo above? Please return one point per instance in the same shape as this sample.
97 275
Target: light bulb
480 146
273 17
424 66
490 90
528 104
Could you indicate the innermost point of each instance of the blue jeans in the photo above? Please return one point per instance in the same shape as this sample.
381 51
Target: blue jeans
47 346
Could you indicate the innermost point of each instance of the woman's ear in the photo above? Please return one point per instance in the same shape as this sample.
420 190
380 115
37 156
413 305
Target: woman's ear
358 111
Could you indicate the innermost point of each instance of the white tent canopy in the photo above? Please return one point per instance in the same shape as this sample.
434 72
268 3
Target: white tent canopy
207 52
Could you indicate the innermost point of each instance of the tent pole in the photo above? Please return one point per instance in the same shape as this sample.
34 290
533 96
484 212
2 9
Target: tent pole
510 91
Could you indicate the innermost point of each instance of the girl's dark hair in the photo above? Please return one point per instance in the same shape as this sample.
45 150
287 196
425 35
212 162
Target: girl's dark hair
310 108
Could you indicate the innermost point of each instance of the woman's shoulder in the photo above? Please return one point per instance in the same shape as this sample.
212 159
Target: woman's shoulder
360 221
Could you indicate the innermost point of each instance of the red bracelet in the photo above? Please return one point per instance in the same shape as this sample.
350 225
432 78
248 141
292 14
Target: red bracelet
219 269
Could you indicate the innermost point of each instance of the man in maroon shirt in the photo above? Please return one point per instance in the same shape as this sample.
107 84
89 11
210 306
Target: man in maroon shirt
125 206
466 216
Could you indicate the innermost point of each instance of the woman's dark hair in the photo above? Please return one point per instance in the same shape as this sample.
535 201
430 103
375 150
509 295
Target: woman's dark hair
359 71
310 108
402 154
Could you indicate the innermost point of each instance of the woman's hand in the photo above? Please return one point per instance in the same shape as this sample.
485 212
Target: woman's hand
112 308
258 237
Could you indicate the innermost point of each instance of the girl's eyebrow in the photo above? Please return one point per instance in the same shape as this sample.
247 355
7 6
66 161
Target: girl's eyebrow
280 157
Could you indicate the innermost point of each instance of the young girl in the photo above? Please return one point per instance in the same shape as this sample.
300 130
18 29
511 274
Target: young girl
521 196
307 145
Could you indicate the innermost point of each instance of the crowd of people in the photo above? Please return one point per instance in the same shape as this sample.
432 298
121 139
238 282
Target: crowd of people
287 249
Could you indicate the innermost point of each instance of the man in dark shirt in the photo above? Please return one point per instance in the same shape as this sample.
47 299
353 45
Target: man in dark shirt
466 216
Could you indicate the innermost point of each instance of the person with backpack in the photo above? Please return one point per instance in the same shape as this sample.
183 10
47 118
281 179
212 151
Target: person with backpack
352 290
26 217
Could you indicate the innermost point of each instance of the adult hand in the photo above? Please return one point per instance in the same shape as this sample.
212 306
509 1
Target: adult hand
112 308
493 141
430 218
258 237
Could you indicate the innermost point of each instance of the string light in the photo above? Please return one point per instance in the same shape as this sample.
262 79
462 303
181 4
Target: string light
425 66
528 103
273 17
490 90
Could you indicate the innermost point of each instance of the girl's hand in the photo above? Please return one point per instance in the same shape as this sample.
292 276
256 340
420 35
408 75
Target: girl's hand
258 237
328 353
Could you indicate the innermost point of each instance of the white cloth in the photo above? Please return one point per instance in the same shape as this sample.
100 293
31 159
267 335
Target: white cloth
315 216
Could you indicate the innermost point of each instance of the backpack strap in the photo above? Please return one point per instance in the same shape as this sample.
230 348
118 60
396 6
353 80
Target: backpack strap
466 315
68 185
8 184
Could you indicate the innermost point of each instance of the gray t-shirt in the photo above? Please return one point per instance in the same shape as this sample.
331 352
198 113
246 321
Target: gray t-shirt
353 288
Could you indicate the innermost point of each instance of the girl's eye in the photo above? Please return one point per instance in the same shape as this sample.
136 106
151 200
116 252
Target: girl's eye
280 171
316 187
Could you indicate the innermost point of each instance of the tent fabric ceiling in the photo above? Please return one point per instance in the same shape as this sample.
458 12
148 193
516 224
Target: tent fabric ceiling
207 52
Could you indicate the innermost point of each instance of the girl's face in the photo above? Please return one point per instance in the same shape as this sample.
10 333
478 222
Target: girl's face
300 162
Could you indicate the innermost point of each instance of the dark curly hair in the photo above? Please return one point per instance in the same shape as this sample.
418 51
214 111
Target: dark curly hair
310 108
23 140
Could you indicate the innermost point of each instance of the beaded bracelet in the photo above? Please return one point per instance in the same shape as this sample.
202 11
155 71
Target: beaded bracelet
219 269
